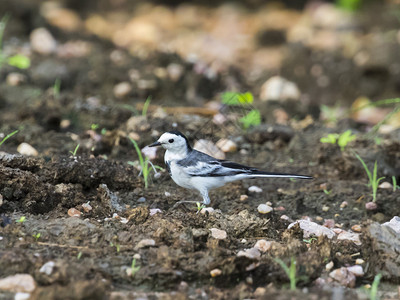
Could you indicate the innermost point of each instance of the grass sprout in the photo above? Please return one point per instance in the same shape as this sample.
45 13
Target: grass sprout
394 182
146 106
75 150
134 268
290 271
374 287
8 136
21 220
200 206
57 88
145 164
372 177
341 139
36 236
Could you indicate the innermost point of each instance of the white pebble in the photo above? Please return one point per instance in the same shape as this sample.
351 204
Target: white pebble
167 194
263 245
255 189
244 197
154 211
218 234
226 145
122 89
357 270
252 253
329 266
145 243
47 268
18 283
360 261
215 272
279 88
42 41
204 210
385 185
15 78
264 209
26 149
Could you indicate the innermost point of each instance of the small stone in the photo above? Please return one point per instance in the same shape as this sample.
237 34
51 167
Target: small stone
385 185
319 218
122 89
356 228
330 223
255 189
360 261
279 88
349 236
175 71
42 41
73 212
137 256
218 234
87 207
154 211
141 200
263 245
167 194
325 208
264 209
371 206
252 253
310 228
1 200
15 78
26 149
219 119
22 296
227 145
286 218
209 148
260 292
215 272
329 266
145 243
344 204
244 197
47 268
205 210
357 270
63 18
23 283
65 123
344 277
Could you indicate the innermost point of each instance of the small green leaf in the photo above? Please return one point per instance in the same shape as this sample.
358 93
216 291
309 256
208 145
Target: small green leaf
330 138
234 98
20 61
253 118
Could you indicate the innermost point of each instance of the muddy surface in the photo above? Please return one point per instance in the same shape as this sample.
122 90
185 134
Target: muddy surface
87 215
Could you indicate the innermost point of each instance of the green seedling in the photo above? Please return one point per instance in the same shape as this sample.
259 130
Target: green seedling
341 139
57 88
134 268
19 61
146 106
236 99
349 5
75 150
290 271
395 186
103 131
374 287
200 206
8 136
372 177
21 220
79 255
310 240
116 245
145 164
327 192
253 118
94 126
36 236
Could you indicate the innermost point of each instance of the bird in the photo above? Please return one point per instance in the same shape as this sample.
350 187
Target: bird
199 171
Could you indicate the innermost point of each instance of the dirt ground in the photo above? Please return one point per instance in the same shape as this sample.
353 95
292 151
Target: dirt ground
128 242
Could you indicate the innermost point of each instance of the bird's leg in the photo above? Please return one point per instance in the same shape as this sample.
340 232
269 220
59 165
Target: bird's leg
206 198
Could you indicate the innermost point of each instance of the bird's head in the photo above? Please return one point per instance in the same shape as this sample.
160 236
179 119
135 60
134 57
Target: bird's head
173 141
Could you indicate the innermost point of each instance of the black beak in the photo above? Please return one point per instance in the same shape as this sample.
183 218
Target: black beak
155 144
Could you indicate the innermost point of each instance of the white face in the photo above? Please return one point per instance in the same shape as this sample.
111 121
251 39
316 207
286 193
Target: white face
172 142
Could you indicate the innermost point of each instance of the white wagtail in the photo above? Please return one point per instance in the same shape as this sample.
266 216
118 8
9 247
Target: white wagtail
193 169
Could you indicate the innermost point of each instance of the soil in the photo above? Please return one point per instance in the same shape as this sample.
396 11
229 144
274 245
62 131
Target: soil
93 253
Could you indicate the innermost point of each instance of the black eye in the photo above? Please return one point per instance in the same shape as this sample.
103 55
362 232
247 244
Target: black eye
171 141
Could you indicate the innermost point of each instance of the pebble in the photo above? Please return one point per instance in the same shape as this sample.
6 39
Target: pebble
87 207
329 223
279 88
263 245
244 197
329 266
22 296
26 149
356 228
219 119
141 200
310 228
344 277
42 41
47 268
167 194
349 236
255 189
215 272
209 148
394 223
385 185
63 18
260 292
137 123
23 283
1 199
360 261
264 209
205 210
227 145
325 208
175 71
218 234
344 204
122 89
252 253
150 152
280 208
154 211
371 205
357 270
15 78
145 243
73 212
